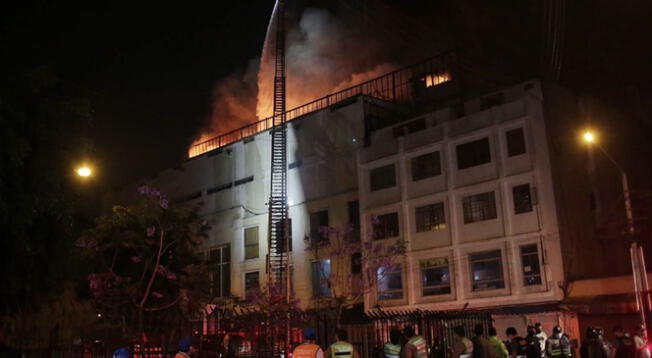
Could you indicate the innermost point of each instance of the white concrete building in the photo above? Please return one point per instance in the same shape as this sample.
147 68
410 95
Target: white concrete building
472 196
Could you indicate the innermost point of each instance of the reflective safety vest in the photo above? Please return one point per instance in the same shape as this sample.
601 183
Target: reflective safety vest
341 349
559 347
392 350
420 344
306 350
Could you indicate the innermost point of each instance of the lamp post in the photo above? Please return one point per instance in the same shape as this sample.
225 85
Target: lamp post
590 138
639 272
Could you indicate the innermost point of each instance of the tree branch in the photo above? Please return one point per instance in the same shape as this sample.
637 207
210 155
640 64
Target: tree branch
154 271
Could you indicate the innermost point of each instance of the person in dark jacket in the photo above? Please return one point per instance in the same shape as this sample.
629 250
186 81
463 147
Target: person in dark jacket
623 344
482 348
533 344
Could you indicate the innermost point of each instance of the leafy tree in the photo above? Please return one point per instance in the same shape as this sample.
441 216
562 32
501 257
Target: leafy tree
147 272
344 250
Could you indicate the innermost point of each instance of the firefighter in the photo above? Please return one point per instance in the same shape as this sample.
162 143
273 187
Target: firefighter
558 345
415 346
392 349
308 349
341 348
463 347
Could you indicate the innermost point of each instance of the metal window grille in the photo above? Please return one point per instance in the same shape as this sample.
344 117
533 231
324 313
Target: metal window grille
386 226
530 265
487 270
435 275
430 217
479 207
382 178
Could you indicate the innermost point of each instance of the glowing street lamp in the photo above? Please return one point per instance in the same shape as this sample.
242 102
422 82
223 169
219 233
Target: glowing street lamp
588 137
84 171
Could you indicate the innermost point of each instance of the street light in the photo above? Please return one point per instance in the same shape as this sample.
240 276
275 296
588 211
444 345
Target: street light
590 138
84 171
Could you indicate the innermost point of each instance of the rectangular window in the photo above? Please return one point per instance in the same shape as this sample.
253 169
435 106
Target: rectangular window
321 272
479 207
219 262
386 226
487 270
530 262
382 178
522 199
319 226
430 217
435 276
354 220
515 142
473 153
280 230
390 282
426 166
252 283
251 243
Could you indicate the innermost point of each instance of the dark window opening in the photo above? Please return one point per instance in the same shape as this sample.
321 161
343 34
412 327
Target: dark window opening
386 226
426 166
382 178
354 220
356 263
319 226
522 197
252 283
473 153
515 142
390 282
435 277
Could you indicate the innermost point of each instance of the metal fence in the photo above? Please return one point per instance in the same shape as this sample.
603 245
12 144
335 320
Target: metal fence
400 86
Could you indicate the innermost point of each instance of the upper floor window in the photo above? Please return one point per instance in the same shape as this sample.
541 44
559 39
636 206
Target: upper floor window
435 276
515 142
321 272
354 219
219 263
386 226
251 243
382 178
252 283
530 265
426 166
473 153
390 282
487 270
522 197
479 207
430 217
318 224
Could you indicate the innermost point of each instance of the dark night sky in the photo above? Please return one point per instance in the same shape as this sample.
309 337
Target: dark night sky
150 68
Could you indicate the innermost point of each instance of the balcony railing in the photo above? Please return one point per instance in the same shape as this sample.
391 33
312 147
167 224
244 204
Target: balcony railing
397 86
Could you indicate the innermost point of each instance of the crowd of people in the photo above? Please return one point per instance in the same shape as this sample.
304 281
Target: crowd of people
408 344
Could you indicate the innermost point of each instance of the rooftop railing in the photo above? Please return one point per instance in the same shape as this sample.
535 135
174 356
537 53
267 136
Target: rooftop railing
397 86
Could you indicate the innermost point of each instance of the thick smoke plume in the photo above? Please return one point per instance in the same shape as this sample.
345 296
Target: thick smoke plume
323 54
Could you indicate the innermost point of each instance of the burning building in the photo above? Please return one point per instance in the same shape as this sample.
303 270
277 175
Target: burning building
467 180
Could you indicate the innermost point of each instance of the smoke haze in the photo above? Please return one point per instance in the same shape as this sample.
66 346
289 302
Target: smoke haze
323 54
